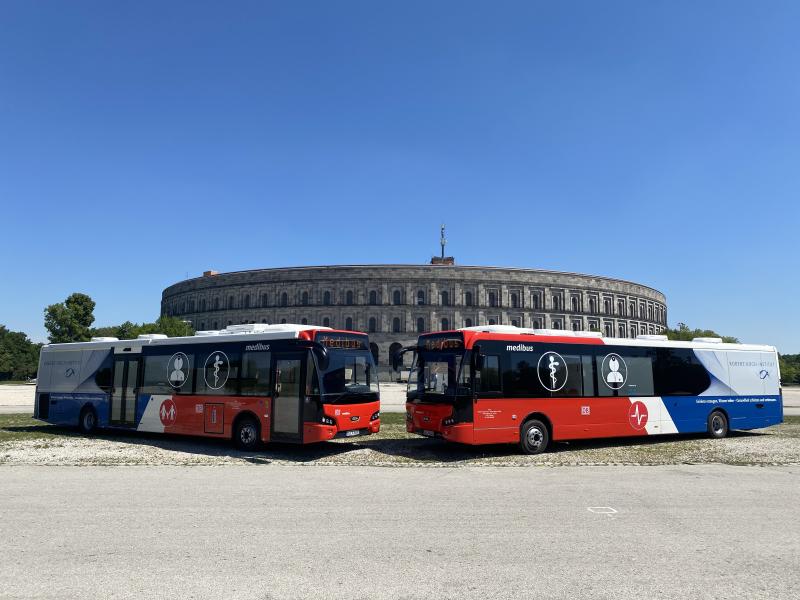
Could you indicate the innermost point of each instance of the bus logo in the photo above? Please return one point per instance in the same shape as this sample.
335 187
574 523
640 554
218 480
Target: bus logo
637 415
168 412
552 371
217 368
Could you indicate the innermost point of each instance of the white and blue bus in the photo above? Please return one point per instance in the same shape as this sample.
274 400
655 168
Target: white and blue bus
250 383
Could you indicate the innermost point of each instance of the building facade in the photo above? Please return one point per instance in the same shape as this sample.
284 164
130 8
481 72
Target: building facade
393 303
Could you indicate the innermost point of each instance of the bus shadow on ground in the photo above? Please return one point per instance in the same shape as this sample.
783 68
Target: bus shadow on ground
436 450
211 447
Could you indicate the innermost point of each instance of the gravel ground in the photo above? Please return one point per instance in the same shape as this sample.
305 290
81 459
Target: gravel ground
393 447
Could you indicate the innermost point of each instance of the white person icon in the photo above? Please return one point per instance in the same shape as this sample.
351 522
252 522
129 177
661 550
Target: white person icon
615 371
614 376
178 364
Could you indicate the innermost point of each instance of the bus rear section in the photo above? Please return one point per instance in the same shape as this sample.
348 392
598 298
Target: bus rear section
507 385
249 383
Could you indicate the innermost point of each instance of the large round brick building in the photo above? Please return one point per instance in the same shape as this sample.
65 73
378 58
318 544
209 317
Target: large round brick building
395 302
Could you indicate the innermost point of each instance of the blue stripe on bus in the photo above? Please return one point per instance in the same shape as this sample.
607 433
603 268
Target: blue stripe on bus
690 413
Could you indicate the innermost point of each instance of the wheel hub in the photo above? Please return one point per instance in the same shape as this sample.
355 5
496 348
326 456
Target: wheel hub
534 437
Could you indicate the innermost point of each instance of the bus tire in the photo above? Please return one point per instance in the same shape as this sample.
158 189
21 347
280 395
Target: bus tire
717 424
246 434
534 437
87 422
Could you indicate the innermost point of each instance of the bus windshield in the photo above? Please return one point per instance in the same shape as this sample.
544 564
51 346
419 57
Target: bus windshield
440 374
349 374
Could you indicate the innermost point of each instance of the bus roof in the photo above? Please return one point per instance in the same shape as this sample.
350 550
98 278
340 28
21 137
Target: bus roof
232 333
473 335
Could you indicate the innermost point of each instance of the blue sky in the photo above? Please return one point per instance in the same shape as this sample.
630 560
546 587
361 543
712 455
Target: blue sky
652 141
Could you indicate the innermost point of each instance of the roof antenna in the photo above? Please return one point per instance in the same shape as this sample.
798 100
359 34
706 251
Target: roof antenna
443 241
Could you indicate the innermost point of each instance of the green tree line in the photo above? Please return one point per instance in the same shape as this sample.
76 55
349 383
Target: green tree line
19 356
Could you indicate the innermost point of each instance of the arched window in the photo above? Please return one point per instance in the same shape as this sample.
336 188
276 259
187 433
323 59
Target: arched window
284 300
304 299
216 324
304 321
575 304
622 331
607 306
397 297
633 309
373 325
467 322
468 298
394 349
537 325
349 297
421 297
514 300
420 325
650 312
621 307
445 299
216 303
373 347
202 304
396 325
264 300
634 332
264 321
592 306
373 297
348 323
247 301
202 325
326 298
283 321
492 299
492 322
191 305
556 302
608 330
535 302
326 322
556 324
574 326
515 322
445 325
230 301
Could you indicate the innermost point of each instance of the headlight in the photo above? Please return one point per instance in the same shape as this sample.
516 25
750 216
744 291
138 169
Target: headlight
375 416
448 421
328 421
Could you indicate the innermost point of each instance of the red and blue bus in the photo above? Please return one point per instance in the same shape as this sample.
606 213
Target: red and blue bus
250 383
503 384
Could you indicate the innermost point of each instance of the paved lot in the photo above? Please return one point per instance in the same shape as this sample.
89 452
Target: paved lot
362 532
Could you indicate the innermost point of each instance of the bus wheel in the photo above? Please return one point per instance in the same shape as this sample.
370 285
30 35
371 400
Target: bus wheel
717 424
245 434
533 437
87 422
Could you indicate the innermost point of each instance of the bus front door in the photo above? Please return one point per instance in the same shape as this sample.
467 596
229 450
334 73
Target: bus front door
287 397
123 392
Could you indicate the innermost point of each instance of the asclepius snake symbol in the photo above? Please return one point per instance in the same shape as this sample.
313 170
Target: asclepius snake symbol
217 363
553 367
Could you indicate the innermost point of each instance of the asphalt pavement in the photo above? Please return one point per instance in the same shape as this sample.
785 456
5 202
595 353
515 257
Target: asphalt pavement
364 532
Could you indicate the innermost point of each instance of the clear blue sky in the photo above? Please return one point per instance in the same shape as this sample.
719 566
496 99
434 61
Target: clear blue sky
652 141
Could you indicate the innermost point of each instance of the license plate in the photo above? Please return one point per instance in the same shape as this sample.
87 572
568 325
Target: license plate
428 433
352 432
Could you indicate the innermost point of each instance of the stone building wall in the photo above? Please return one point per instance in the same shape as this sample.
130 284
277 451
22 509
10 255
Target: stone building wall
394 302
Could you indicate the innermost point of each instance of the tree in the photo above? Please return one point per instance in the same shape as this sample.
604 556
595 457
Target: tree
790 369
170 326
69 321
683 333
19 357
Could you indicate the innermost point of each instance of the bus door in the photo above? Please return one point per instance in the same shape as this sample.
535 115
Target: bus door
288 396
124 390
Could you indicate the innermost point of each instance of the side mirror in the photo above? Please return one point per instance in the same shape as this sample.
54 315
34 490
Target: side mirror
322 356
478 359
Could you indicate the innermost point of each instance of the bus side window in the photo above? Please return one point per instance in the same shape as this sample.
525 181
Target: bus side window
255 375
489 377
168 373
